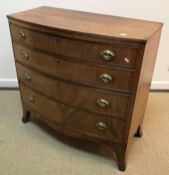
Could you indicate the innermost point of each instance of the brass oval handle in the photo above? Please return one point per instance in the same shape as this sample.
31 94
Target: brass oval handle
107 55
26 76
22 35
101 126
103 103
105 78
31 99
24 56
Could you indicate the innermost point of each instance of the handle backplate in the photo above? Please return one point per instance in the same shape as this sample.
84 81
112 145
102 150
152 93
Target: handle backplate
108 55
105 78
24 56
103 103
26 76
101 126
31 99
22 35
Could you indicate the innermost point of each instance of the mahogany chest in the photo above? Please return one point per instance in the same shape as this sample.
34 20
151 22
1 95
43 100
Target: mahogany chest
86 75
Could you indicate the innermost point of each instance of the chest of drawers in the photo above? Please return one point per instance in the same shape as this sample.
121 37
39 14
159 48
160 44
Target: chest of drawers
85 75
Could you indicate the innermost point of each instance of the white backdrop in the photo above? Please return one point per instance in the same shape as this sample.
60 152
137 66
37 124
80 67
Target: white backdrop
146 9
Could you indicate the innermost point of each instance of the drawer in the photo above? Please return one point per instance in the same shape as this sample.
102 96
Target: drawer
91 99
77 49
106 78
71 118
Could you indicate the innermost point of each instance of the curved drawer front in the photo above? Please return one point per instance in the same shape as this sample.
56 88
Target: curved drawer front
77 49
91 99
75 120
91 75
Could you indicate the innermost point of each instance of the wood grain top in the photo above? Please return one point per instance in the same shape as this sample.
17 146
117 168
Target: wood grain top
89 23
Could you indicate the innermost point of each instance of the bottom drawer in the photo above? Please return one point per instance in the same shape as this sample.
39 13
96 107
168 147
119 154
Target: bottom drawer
71 118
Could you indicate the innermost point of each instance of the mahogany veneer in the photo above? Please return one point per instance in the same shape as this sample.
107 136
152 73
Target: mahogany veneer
86 75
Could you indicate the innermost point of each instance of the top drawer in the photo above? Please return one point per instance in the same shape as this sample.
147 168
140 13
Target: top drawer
77 49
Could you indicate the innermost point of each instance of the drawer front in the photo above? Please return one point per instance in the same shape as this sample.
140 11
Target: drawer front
71 118
77 49
91 99
106 78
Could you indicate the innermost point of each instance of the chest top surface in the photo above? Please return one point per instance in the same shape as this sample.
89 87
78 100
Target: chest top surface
89 23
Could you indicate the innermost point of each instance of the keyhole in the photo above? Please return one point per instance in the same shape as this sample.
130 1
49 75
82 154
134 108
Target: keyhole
126 60
58 84
58 63
58 39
